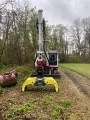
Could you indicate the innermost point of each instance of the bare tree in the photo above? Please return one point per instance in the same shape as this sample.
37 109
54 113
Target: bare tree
86 27
76 35
18 36
57 40
3 4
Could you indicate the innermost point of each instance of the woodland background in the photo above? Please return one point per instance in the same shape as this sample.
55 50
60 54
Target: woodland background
19 37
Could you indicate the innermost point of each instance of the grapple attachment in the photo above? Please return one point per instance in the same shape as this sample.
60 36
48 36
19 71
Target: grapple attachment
40 81
51 81
29 81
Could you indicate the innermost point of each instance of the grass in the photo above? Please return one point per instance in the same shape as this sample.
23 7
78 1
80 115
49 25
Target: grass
39 103
1 89
80 68
23 71
61 109
19 110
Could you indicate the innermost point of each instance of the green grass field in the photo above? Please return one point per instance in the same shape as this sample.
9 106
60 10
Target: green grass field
80 68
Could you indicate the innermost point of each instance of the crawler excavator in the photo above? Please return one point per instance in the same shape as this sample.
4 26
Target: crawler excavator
46 61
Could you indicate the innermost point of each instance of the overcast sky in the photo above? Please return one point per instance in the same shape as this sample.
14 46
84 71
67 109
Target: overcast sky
63 11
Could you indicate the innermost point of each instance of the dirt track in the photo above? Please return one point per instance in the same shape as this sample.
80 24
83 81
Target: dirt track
81 82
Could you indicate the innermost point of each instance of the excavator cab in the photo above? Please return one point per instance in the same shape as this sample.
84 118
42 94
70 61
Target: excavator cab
53 58
53 63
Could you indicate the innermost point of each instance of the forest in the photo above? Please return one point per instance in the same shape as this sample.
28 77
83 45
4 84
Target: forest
19 36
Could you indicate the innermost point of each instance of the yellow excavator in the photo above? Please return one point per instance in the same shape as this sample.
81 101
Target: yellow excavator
46 61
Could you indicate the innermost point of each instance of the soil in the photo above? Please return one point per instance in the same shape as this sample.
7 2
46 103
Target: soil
81 81
72 86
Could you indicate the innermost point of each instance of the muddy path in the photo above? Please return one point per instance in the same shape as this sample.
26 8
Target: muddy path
81 82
